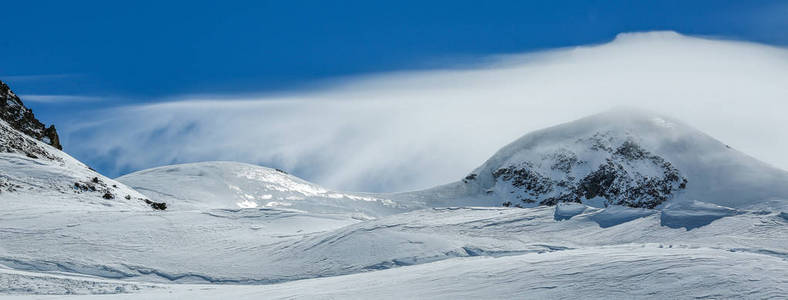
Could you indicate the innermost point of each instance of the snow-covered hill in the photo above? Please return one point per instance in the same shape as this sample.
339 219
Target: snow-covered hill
621 157
231 185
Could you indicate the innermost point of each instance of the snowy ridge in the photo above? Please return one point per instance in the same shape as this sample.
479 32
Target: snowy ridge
231 185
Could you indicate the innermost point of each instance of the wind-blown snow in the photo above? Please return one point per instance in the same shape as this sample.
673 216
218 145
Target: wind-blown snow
413 130
526 250
631 272
715 173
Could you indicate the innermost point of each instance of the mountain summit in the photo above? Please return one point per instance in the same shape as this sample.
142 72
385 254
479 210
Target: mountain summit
625 157
21 118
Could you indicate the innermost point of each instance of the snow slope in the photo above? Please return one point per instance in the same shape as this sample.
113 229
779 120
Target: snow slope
216 246
232 185
631 272
269 246
469 252
35 176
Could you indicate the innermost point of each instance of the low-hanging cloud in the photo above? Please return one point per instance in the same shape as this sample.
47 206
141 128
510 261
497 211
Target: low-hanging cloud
409 130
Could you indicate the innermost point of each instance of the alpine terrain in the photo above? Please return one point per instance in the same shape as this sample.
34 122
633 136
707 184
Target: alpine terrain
623 204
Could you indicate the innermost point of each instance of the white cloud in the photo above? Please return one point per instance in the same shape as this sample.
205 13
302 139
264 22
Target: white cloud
57 98
37 77
408 130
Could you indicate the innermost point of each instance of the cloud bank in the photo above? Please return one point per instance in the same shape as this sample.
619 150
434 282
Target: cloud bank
58 98
410 130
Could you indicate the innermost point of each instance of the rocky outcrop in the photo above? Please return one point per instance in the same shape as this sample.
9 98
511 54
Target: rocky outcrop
21 118
627 175
13 141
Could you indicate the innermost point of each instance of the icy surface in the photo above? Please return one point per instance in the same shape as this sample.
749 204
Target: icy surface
261 247
14 282
693 214
565 211
646 272
443 253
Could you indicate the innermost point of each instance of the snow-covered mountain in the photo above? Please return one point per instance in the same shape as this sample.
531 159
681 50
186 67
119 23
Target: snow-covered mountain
231 185
621 157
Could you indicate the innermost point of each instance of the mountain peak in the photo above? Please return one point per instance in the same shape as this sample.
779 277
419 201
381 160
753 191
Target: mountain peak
630 119
21 118
624 156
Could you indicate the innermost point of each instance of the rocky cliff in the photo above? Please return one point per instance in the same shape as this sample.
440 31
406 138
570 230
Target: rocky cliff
21 118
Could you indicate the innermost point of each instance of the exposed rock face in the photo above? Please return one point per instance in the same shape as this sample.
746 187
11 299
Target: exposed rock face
21 118
599 168
13 141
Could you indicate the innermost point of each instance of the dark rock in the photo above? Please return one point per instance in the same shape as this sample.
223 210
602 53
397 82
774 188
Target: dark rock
156 205
469 177
564 161
14 141
630 150
21 118
84 187
525 177
611 180
94 185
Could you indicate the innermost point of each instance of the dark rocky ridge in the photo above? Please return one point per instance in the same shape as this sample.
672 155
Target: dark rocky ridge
21 118
629 176
14 141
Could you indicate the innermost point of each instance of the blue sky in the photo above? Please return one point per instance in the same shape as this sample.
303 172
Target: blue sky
147 50
66 58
